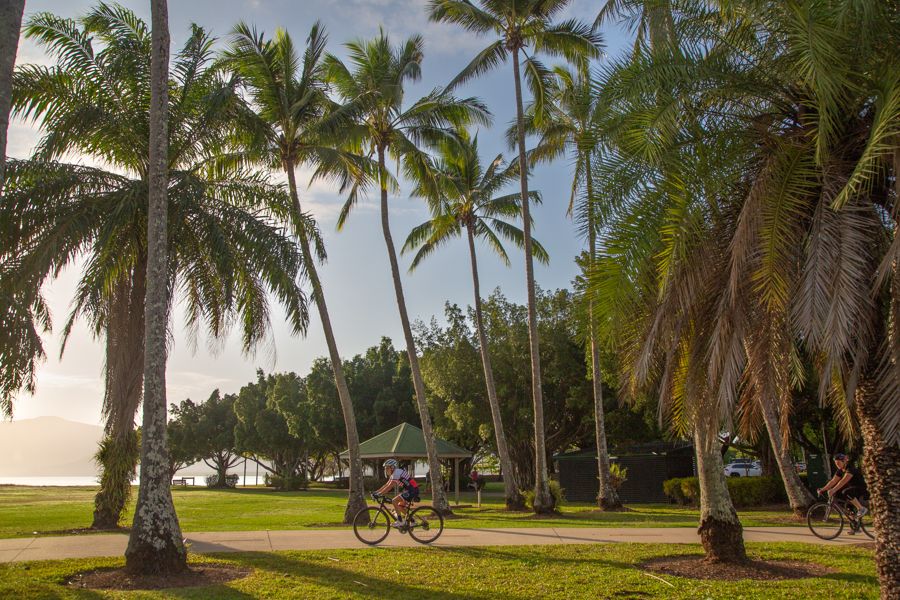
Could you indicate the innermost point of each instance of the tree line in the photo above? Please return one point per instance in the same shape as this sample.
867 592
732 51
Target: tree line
287 424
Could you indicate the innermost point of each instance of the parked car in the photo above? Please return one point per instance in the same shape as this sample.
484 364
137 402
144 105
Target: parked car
743 467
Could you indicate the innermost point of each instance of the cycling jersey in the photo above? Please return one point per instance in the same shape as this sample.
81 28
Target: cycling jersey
403 477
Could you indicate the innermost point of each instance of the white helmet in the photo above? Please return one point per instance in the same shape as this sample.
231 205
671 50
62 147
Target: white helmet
391 462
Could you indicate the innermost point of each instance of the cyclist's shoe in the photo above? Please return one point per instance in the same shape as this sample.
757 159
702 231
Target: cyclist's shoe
862 512
398 524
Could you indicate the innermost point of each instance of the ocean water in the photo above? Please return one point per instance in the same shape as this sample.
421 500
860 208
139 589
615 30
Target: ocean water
199 480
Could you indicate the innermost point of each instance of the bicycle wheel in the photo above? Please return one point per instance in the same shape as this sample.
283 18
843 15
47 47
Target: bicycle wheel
371 525
867 524
426 524
825 521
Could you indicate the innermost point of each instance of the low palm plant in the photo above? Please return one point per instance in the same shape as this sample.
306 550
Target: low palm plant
461 195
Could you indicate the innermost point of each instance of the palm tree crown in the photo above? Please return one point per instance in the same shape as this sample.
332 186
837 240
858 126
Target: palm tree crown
460 193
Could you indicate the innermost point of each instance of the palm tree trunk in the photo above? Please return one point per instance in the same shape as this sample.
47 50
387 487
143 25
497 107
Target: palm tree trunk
607 496
10 24
155 545
798 496
119 451
356 499
720 530
439 498
543 501
881 469
514 499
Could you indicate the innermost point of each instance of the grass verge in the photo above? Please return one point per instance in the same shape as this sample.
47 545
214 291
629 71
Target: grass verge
513 572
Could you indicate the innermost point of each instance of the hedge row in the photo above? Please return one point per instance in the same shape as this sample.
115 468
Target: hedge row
744 491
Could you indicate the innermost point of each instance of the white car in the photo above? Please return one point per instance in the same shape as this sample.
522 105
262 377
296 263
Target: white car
743 467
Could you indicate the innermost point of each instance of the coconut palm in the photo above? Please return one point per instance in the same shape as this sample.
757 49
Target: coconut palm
568 127
461 195
10 23
523 26
285 132
383 127
226 255
155 544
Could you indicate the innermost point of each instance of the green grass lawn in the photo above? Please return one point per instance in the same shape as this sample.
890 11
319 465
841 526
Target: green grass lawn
24 510
527 572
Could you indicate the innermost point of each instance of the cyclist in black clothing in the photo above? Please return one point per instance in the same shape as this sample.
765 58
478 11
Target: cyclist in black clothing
848 483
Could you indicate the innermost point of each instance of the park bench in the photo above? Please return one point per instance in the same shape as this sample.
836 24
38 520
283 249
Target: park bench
182 481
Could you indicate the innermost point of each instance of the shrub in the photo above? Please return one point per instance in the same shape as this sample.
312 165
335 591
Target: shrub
672 489
556 491
744 491
231 480
618 475
285 484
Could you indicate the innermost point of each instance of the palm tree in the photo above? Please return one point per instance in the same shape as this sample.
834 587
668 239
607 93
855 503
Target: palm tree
520 25
285 132
796 163
226 255
568 127
155 544
373 91
10 23
460 193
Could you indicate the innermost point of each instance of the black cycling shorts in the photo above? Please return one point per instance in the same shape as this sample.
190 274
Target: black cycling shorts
410 495
851 491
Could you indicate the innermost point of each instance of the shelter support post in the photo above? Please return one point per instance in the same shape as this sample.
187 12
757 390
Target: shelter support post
456 478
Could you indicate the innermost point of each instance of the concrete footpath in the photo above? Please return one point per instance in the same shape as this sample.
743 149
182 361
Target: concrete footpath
97 545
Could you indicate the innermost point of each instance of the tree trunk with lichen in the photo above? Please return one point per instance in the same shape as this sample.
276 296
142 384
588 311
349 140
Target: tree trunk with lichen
721 533
155 546
799 497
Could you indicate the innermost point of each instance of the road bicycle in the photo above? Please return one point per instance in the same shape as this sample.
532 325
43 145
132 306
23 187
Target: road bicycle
373 523
826 519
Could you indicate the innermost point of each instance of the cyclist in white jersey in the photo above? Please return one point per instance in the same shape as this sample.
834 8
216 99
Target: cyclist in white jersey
400 478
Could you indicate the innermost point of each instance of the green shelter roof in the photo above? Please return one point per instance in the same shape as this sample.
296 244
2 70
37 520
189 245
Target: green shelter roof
406 441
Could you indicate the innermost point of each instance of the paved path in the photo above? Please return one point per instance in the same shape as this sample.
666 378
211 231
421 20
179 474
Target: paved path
97 545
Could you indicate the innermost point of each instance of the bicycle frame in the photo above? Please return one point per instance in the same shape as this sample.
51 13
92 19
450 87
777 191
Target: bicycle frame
842 506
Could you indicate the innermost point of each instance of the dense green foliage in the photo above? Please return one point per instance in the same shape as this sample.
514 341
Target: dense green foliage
744 491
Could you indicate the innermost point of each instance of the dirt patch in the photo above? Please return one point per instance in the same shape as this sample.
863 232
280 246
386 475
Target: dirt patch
195 576
696 567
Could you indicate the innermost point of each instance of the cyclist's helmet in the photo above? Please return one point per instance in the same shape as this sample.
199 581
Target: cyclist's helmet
391 462
840 456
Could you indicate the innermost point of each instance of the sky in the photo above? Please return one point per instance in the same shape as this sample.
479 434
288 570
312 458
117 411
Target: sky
356 277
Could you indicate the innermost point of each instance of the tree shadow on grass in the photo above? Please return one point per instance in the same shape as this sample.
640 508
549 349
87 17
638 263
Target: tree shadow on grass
347 582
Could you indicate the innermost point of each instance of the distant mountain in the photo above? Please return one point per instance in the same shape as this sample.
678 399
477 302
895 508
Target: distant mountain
48 446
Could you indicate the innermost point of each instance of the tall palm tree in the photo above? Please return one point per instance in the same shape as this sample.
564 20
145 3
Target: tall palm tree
10 23
285 132
155 544
226 256
384 127
519 26
568 127
460 193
